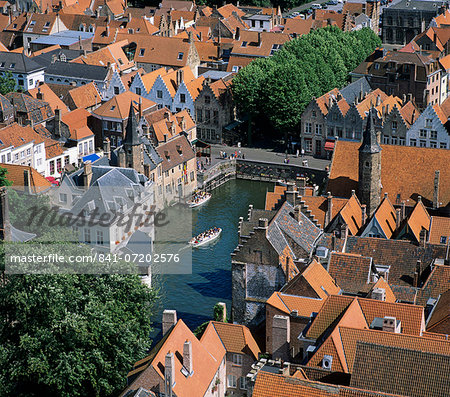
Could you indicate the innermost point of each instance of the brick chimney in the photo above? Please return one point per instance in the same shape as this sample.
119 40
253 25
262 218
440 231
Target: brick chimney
169 319
437 175
417 273
297 213
423 237
87 174
39 94
363 214
403 207
281 335
378 294
57 130
187 356
390 324
169 374
329 214
180 76
107 148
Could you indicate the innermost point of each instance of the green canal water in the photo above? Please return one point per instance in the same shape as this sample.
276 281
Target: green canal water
194 295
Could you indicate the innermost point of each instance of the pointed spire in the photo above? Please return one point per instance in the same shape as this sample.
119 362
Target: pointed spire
370 142
132 137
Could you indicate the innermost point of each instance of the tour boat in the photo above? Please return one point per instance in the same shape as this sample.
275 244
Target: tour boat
198 200
206 237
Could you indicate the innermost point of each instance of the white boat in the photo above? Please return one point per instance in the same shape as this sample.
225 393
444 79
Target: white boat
199 241
193 203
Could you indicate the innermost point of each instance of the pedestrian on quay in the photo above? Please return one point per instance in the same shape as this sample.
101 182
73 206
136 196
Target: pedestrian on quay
303 152
243 156
296 154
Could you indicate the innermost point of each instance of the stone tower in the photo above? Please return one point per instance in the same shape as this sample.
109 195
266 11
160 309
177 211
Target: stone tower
369 183
131 154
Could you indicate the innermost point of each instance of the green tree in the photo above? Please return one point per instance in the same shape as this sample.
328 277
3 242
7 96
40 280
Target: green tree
71 335
3 177
7 83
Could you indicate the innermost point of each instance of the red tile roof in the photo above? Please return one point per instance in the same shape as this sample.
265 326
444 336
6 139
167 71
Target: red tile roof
15 174
439 228
304 306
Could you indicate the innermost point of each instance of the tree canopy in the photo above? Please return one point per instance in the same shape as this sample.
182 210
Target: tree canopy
277 89
7 83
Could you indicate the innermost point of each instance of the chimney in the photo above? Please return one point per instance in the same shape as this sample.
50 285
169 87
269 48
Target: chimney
390 324
57 130
140 107
169 319
263 223
329 214
409 97
398 217
423 237
378 101
259 39
26 181
404 99
180 76
378 294
437 175
200 36
107 30
417 273
169 374
5 225
297 213
237 35
302 186
87 174
224 312
107 148
165 138
344 231
39 94
363 214
281 335
187 356
403 207
190 37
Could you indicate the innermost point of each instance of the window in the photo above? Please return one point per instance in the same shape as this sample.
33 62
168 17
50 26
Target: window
308 145
235 69
16 156
275 48
377 66
349 134
423 143
183 98
215 117
433 144
141 52
2 64
232 381
87 236
242 383
62 198
138 90
30 82
199 115
423 133
80 148
58 165
237 359
412 142
99 237
428 123
308 128
159 94
207 99
401 141
244 44
180 56
66 160
394 125
313 113
443 240
12 66
207 115
433 134
116 90
443 145
318 129
28 151
394 140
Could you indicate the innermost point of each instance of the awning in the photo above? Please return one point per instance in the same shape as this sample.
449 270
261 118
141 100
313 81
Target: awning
92 157
233 125
329 145
52 180
201 144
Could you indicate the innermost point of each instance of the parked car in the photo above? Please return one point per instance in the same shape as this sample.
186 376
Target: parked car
333 3
324 6
315 6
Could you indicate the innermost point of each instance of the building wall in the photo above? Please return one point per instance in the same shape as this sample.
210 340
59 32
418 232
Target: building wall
160 94
238 371
172 185
394 129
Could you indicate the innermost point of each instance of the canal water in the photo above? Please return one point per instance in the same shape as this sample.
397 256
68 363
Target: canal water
194 295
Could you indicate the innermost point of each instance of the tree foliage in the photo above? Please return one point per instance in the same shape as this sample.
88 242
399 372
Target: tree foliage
279 88
4 178
7 83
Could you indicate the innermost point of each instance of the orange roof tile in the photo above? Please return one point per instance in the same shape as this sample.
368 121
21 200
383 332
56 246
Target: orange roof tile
381 283
408 179
118 107
304 306
318 205
418 219
324 101
272 198
16 135
410 113
319 279
437 109
195 86
77 123
386 217
236 338
50 97
298 26
437 283
85 96
445 62
15 174
149 78
351 213
439 227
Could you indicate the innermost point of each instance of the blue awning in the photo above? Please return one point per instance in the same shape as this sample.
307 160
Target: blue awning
92 157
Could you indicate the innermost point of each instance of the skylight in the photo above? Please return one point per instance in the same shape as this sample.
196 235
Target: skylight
113 107
180 56
141 52
12 66
244 44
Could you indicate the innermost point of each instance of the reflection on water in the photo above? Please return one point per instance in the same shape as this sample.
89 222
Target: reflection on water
194 295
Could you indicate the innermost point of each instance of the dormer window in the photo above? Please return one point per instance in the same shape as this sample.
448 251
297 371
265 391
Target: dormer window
12 66
2 64
275 48
179 150
15 26
180 56
120 61
47 25
244 44
141 52
113 107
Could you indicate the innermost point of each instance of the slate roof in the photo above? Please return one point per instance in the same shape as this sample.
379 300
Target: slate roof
437 283
417 373
352 91
37 111
400 255
351 272
22 63
398 177
78 70
45 58
417 5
